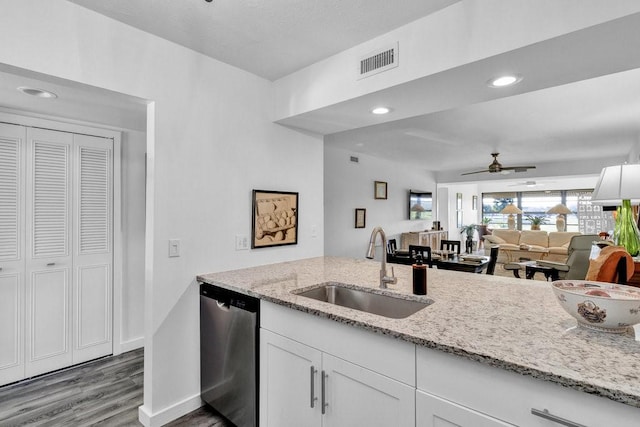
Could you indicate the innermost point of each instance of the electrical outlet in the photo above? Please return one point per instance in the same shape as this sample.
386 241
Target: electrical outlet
174 248
242 242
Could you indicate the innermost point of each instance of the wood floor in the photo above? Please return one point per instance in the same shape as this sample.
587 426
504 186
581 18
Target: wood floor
106 392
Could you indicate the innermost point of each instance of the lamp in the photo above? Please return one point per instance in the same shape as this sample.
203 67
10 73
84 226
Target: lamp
619 186
417 208
511 209
560 210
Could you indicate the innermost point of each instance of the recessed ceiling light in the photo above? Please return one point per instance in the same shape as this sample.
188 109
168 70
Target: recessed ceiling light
40 93
381 110
503 81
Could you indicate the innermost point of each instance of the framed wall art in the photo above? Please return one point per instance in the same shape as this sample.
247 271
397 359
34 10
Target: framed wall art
361 218
458 201
380 190
274 219
474 203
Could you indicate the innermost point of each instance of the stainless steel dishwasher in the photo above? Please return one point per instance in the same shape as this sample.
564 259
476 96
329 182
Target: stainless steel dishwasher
229 323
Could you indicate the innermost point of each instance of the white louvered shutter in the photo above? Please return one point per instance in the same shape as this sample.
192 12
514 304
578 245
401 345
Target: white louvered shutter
49 258
50 199
95 200
9 198
12 260
93 256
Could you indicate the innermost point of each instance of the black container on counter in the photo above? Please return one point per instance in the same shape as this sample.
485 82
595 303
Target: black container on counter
419 276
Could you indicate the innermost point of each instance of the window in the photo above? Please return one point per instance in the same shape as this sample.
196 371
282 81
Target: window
586 218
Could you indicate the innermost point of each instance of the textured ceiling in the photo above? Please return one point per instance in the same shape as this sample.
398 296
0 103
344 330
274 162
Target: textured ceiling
269 38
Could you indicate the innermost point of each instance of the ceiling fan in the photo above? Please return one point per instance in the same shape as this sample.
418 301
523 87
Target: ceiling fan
496 166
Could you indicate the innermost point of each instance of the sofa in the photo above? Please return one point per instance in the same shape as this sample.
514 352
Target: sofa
529 244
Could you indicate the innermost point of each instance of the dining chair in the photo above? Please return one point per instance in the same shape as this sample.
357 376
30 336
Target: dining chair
450 245
425 251
493 258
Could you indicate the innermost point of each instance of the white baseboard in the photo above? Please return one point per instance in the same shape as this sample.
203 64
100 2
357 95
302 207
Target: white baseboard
131 344
170 413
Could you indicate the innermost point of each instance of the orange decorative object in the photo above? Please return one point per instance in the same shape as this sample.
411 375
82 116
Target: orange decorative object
605 267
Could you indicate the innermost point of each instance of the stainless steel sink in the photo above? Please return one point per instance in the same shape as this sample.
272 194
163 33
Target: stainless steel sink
366 300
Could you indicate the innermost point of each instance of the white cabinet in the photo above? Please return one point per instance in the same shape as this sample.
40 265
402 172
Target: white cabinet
302 385
56 255
289 386
449 384
432 411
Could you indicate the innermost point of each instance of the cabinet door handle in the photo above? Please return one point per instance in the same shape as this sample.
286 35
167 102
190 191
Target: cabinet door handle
314 371
51 264
556 419
324 394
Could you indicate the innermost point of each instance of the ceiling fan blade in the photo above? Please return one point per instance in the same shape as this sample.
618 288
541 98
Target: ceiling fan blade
518 168
471 173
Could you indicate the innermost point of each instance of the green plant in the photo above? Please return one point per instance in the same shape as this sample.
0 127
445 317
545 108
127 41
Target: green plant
468 229
486 220
537 220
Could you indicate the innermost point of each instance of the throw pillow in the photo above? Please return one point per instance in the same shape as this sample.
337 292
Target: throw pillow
494 239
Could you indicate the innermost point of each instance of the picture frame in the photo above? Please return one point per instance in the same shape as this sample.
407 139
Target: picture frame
474 203
360 218
380 190
458 201
459 219
274 219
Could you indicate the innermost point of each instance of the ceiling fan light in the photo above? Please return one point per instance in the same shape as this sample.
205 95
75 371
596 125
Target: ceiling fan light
504 81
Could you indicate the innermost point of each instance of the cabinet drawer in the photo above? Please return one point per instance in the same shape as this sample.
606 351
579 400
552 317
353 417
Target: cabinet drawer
510 397
385 355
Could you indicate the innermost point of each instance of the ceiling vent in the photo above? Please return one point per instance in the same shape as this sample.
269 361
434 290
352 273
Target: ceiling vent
378 61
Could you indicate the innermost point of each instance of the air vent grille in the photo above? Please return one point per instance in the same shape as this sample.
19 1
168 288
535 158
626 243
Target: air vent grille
378 61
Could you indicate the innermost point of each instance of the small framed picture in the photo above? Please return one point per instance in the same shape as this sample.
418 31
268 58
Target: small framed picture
458 201
380 190
459 219
361 218
474 203
275 219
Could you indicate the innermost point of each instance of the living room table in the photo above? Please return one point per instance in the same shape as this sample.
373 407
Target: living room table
510 252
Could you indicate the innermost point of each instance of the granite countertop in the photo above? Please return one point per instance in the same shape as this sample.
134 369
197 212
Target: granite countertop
513 324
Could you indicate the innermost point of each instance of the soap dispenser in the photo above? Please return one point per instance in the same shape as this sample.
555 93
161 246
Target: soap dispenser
419 276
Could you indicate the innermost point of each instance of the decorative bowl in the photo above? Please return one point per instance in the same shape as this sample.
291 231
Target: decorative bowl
602 306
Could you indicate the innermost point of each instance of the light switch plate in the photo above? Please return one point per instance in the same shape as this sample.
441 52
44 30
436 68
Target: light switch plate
174 248
242 242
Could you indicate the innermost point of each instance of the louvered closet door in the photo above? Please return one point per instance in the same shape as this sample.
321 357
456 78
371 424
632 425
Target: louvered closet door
93 219
49 253
12 263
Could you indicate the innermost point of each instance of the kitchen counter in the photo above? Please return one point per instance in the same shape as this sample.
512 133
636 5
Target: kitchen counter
508 323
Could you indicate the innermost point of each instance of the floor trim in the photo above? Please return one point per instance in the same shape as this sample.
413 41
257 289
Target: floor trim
170 413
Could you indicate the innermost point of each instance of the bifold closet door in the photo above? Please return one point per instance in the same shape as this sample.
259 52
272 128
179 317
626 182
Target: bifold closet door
49 254
12 261
93 247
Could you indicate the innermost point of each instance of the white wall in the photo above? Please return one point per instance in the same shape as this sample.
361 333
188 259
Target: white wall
350 185
210 142
133 219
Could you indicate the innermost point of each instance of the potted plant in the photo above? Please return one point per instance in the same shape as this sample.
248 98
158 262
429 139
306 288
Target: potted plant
483 229
469 230
536 221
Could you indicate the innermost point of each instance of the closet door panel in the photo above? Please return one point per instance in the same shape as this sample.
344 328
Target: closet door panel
12 261
49 256
93 258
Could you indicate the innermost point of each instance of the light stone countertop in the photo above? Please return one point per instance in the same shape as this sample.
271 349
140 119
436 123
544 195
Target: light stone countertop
509 323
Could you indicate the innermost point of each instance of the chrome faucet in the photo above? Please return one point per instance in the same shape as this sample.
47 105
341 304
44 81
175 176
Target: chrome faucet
384 279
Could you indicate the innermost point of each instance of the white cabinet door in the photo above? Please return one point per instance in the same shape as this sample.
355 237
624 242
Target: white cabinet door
12 263
432 411
93 219
289 382
356 396
49 255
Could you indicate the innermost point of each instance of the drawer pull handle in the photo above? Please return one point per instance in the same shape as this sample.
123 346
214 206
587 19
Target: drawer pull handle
51 264
556 419
313 387
324 394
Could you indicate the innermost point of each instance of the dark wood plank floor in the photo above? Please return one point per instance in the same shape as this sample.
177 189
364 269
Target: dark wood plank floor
105 392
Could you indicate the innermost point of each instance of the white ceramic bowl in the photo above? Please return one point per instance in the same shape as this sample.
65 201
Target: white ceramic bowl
597 305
